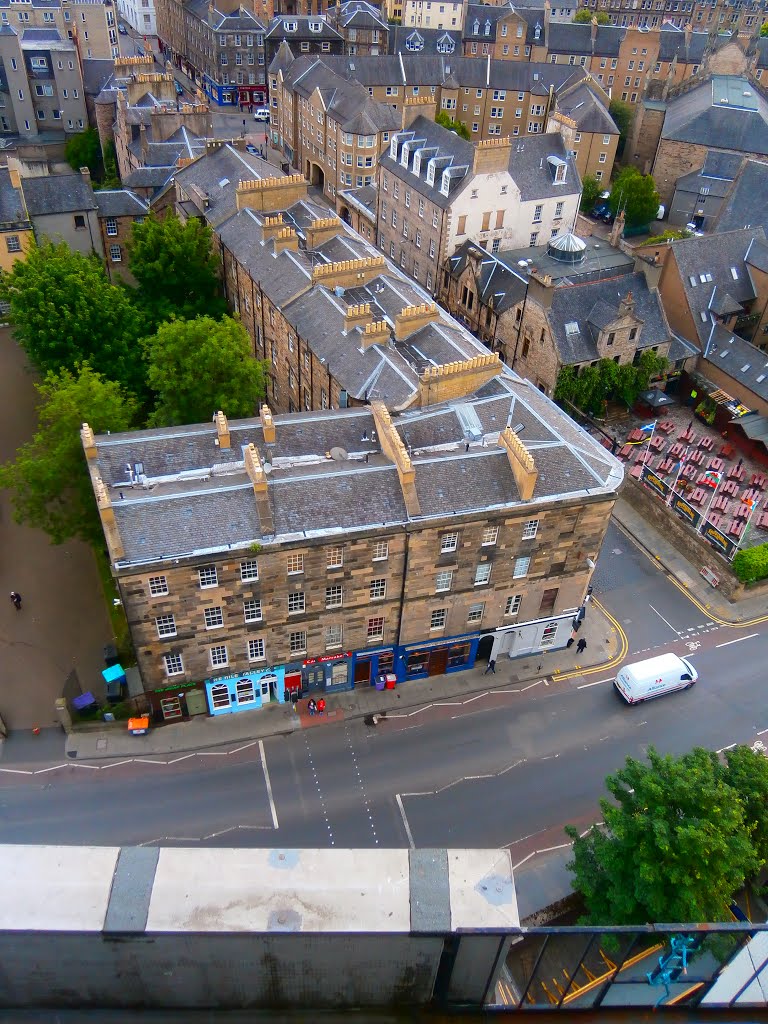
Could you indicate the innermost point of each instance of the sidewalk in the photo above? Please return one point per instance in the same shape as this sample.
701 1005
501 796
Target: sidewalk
683 571
280 719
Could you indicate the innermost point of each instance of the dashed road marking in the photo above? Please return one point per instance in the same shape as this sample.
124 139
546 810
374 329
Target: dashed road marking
361 786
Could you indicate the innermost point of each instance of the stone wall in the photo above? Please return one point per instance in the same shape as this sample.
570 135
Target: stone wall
693 547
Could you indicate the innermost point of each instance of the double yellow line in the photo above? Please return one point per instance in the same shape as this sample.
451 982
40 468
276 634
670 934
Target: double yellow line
606 665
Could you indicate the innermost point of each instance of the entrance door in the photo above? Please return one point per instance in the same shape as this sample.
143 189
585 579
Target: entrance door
438 662
196 702
363 672
314 678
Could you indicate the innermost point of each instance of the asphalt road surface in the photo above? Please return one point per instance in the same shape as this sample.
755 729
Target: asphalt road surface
503 770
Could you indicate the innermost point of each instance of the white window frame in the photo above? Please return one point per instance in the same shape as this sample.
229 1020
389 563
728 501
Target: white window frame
521 567
335 557
297 602
208 577
256 649
218 656
377 589
438 618
373 631
213 617
297 641
170 663
483 574
476 612
442 578
334 636
158 586
252 610
334 596
249 571
449 542
513 604
380 551
490 536
530 529
297 561
165 625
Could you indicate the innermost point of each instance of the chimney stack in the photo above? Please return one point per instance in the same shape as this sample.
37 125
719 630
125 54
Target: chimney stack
521 463
85 174
267 424
222 430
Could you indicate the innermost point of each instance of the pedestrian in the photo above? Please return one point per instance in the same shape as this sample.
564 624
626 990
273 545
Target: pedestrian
738 466
570 642
581 646
16 598
490 667
312 706
321 706
690 425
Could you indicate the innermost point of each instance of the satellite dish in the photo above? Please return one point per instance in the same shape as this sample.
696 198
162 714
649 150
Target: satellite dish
339 454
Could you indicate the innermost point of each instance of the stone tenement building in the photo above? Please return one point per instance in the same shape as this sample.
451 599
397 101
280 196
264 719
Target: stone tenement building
318 550
741 17
339 325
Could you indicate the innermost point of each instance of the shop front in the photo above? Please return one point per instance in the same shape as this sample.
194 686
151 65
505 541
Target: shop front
251 96
530 637
367 665
436 658
245 691
330 672
176 703
224 95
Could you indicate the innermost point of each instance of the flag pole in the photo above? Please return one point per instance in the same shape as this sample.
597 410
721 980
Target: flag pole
709 506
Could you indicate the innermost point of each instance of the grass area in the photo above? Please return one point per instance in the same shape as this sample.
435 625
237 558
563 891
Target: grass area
116 613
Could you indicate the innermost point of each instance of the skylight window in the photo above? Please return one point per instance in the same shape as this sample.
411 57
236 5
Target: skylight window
734 274
745 367
703 315
572 328
692 279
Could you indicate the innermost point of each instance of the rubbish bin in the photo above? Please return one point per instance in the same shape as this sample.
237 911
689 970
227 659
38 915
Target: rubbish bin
390 680
110 655
381 682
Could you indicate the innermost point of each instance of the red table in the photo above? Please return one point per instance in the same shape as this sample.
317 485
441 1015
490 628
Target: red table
758 480
716 464
736 528
697 496
636 435
707 443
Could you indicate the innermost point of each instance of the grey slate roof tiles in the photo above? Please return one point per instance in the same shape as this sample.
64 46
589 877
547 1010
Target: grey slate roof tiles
740 208
702 117
120 203
57 193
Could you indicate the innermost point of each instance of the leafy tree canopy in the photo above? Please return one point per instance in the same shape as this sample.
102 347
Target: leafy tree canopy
84 150
746 772
590 190
676 844
49 480
764 29
175 268
623 115
590 388
585 15
442 118
111 177
199 366
636 195
64 311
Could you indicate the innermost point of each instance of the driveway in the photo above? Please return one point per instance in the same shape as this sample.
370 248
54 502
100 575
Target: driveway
63 624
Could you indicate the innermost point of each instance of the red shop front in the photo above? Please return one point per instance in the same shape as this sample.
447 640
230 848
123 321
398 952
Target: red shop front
250 96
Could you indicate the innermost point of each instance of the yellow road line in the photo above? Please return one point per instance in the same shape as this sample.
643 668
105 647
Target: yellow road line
604 666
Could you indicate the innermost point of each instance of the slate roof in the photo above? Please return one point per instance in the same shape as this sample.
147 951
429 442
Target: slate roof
600 260
217 175
702 118
583 106
531 173
149 177
712 257
11 205
498 285
97 74
716 174
243 20
570 38
459 468
593 306
277 29
457 152
358 14
57 193
746 205
120 202
346 102
672 43
740 360
363 198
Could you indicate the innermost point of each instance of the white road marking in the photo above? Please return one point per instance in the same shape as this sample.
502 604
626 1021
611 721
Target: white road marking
737 640
269 784
677 631
585 686
405 821
729 747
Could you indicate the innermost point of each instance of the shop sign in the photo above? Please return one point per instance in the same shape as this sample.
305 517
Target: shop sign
686 511
173 689
718 541
447 642
655 483
327 657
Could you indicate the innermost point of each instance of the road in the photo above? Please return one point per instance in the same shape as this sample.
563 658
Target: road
504 770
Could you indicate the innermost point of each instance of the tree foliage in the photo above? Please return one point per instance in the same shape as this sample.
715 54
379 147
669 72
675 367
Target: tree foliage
199 366
175 268
590 191
764 29
64 311
623 115
751 564
592 386
585 16
49 479
636 195
84 150
111 177
444 119
676 843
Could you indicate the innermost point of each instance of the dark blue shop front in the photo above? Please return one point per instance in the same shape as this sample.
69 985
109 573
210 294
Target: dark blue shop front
436 657
370 664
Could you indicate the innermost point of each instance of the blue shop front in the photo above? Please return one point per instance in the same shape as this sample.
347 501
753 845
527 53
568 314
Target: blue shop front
245 691
330 673
436 657
371 663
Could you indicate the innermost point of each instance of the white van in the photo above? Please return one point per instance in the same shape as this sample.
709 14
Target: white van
261 114
654 677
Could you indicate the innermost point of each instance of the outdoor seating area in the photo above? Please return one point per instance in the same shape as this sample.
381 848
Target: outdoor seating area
707 472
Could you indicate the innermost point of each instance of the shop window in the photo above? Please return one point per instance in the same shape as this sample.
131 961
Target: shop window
549 634
244 691
458 655
417 663
158 586
220 696
170 708
249 571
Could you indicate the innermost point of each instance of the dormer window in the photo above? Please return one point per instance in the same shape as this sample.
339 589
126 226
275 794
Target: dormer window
404 154
393 148
417 163
487 28
476 27
537 31
414 42
559 169
289 26
445 44
315 26
431 172
445 185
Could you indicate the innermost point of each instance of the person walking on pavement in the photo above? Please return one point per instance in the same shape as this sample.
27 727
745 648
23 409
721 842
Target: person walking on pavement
490 667
312 706
570 642
321 706
16 598
581 646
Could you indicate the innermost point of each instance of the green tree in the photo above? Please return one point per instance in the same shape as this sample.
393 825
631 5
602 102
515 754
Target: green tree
764 29
649 366
64 311
199 366
49 479
590 190
747 773
176 269
84 150
584 16
622 115
636 195
442 118
111 176
675 845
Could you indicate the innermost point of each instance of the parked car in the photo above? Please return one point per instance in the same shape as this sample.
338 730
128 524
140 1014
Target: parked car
261 114
122 29
179 88
252 149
